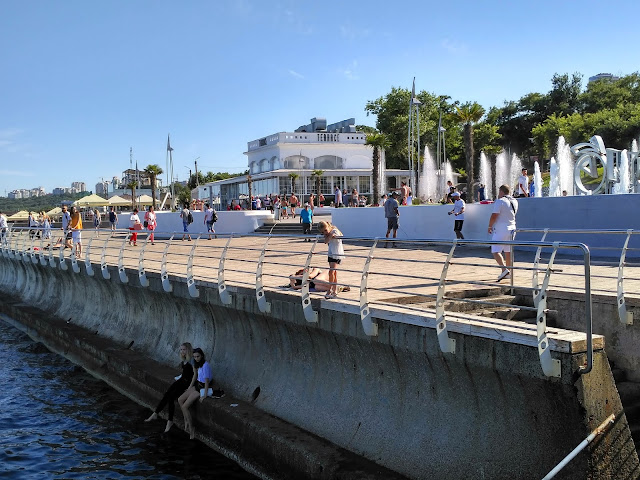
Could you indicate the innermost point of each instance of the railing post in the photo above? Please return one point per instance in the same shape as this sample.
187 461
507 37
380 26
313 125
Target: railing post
263 305
164 274
63 261
588 310
370 327
23 251
32 252
536 263
121 271
550 366
43 261
4 237
225 297
626 318
52 262
87 258
310 314
103 259
74 259
191 283
142 276
8 243
447 345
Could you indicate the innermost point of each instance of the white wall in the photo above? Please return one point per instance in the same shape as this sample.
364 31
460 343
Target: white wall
416 222
244 221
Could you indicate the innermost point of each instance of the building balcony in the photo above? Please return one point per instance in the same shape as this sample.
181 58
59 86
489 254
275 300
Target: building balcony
307 138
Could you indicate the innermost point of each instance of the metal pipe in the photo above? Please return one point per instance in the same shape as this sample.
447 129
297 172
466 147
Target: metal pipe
604 426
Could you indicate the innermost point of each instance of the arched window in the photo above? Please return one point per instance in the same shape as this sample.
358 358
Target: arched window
274 164
328 162
264 165
294 162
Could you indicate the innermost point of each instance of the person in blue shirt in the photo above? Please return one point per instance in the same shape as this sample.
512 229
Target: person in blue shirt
306 218
532 189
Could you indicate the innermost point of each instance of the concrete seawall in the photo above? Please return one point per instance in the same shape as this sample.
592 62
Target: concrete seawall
486 411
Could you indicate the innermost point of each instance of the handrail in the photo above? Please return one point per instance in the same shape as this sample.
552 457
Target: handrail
363 252
625 317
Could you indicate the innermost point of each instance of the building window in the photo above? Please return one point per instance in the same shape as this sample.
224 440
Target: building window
328 162
364 185
296 162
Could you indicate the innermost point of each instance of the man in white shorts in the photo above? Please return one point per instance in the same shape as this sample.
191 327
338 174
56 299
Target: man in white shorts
502 225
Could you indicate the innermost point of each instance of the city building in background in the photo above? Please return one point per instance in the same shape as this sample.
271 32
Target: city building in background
336 149
604 76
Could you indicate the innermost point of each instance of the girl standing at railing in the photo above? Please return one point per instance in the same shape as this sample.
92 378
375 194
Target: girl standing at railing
335 253
134 226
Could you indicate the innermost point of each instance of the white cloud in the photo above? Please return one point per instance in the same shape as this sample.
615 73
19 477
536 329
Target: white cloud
293 73
454 47
350 72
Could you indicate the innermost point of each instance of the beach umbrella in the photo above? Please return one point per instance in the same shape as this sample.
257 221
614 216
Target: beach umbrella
21 215
118 201
54 212
92 200
145 200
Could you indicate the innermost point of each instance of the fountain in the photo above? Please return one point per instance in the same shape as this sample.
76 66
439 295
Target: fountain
382 171
429 178
502 170
537 180
554 179
565 166
622 186
515 170
634 146
486 178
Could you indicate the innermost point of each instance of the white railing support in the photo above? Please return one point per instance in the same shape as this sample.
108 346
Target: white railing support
191 283
447 345
369 326
225 297
87 258
142 276
121 270
550 366
626 318
263 305
164 274
310 314
103 259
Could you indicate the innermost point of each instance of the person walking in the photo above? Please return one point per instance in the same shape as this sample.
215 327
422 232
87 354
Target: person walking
210 218
46 227
4 226
458 212
335 254
76 230
481 193
337 197
502 226
523 184
391 213
293 203
97 220
187 219
134 226
150 222
113 219
306 218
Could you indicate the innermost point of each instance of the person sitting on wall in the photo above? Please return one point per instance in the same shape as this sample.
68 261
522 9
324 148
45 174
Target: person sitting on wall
318 280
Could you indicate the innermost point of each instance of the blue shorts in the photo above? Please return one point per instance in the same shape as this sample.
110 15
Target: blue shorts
209 226
185 226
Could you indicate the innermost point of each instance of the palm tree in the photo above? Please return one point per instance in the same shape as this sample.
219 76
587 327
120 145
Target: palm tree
293 177
132 185
153 171
317 174
379 142
250 189
467 115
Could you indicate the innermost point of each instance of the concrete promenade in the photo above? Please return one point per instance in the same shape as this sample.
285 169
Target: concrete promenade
394 398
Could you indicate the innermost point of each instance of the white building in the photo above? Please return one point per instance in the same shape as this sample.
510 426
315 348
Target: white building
337 149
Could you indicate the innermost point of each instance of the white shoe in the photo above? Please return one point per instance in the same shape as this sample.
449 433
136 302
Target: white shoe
504 274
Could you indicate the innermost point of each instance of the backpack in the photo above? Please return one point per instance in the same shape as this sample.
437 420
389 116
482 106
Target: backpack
189 218
214 217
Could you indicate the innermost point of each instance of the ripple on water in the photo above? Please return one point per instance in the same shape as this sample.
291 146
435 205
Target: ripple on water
56 421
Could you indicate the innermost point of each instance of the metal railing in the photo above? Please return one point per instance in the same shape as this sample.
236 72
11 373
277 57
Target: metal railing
620 274
428 279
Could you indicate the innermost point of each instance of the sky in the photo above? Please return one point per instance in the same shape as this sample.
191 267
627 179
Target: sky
84 81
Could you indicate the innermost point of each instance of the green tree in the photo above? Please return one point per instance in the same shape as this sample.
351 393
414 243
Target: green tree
379 142
317 174
293 176
195 180
182 193
468 114
132 185
153 171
